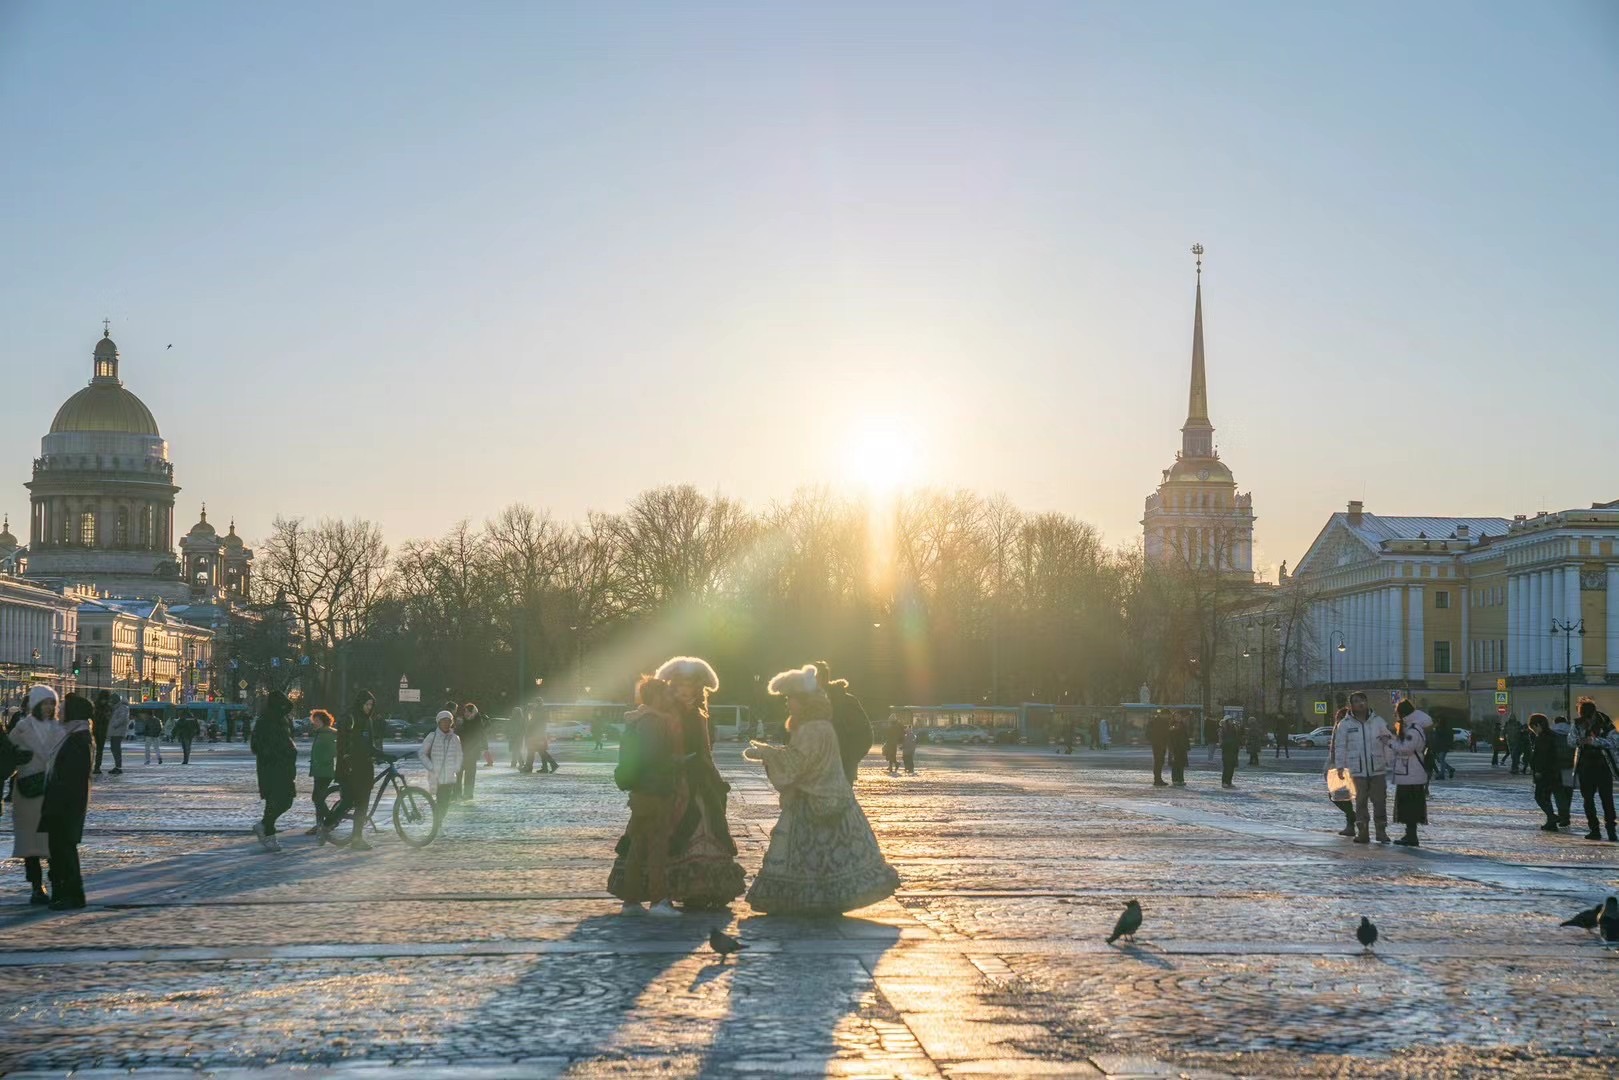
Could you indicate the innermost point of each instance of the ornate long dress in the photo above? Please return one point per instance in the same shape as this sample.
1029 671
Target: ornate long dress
703 871
641 865
823 858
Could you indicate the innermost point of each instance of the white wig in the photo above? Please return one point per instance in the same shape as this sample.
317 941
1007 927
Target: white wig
802 680
689 667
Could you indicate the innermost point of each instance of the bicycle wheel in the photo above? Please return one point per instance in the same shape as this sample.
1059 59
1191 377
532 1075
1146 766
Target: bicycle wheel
415 819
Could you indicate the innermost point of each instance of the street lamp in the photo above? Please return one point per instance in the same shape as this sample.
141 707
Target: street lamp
1568 630
1341 645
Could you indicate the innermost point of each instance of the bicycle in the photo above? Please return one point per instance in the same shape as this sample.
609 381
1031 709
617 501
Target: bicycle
415 817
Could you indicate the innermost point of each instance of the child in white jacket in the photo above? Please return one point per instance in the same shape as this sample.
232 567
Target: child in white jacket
441 754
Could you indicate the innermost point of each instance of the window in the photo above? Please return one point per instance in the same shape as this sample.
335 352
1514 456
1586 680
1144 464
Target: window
1441 599
1498 596
95 635
1441 657
121 530
87 529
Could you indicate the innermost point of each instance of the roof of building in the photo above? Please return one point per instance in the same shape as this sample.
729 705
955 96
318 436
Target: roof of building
105 407
202 528
1376 528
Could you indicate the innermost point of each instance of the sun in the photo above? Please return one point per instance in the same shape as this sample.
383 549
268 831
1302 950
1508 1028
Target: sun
881 458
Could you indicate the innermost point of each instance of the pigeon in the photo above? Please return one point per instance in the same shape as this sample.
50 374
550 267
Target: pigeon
724 943
1366 933
166 348
1586 920
1129 922
1609 923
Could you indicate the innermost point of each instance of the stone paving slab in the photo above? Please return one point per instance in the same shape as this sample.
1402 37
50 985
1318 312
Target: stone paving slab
495 952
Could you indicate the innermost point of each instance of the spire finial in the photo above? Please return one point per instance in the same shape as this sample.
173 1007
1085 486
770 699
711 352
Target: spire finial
1197 249
106 328
204 511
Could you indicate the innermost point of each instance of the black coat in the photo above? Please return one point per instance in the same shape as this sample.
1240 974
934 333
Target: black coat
67 793
358 748
1543 753
853 726
277 756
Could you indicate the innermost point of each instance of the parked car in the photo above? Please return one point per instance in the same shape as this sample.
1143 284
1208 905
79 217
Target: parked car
1460 738
568 729
1321 736
961 733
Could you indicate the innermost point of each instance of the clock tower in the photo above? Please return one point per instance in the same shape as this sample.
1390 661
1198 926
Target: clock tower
1196 518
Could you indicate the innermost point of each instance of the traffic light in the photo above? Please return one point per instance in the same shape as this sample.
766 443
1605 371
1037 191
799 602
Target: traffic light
75 667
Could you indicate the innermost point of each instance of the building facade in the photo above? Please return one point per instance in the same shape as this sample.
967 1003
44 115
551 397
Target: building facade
1477 614
140 650
38 630
1197 518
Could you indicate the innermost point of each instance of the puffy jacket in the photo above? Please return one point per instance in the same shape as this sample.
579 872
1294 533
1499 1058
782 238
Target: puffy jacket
441 754
119 728
1604 751
1407 751
1361 747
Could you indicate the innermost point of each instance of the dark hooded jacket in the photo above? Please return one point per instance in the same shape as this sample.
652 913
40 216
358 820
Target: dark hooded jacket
273 749
853 726
67 792
359 747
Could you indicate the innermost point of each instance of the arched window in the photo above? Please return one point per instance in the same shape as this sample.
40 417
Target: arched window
87 528
121 528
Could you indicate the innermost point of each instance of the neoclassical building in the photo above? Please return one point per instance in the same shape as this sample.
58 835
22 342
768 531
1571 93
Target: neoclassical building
102 503
1196 517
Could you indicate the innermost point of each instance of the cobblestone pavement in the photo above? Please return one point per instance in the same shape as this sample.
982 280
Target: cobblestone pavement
495 951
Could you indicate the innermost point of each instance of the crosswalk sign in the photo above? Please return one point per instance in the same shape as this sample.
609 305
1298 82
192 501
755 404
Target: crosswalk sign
1321 708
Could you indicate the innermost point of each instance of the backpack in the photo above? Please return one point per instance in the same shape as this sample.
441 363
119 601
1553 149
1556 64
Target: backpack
643 762
1565 752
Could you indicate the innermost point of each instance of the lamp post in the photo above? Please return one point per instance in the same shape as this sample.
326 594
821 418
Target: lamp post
1568 629
1340 645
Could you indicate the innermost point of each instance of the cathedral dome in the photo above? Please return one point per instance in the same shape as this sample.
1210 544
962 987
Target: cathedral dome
1211 470
202 528
105 407
8 542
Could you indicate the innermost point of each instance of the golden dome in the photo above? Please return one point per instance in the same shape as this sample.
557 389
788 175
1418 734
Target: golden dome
7 541
105 406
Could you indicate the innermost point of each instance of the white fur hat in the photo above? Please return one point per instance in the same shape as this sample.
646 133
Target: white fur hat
797 681
37 694
689 667
444 714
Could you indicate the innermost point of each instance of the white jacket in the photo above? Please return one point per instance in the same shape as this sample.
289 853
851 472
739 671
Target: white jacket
1361 748
441 753
1408 751
118 726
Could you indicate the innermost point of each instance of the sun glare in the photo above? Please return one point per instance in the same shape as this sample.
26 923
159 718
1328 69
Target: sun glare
881 459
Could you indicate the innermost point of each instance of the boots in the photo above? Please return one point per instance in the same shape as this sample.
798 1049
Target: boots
1613 833
1382 834
1410 837
1360 833
1551 823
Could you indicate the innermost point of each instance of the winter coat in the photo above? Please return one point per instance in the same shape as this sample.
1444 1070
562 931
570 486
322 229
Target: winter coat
1157 730
441 753
1407 752
808 770
276 756
1544 752
12 755
1602 755
356 754
1360 747
43 739
474 732
67 792
1180 743
187 727
119 726
151 726
323 755
1565 752
853 729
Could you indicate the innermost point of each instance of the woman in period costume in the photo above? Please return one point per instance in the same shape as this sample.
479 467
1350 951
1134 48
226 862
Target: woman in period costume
823 858
703 871
649 769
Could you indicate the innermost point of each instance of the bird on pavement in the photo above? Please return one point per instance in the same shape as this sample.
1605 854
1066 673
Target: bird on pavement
724 943
1129 922
1366 933
1585 920
1609 923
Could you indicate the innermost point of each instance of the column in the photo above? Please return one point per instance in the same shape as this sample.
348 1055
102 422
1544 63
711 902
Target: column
1416 663
1396 632
1531 621
1613 618
1571 606
1514 621
1542 629
1466 644
1357 628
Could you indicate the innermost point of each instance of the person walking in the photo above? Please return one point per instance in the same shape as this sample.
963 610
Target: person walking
322 765
1543 763
1444 741
849 720
539 741
907 747
1360 749
276 762
186 730
1180 750
1513 731
598 732
703 871
474 733
441 755
37 735
823 858
1158 739
1564 795
100 724
1344 784
1254 735
1408 749
1230 749
649 771
1596 762
359 747
152 733
1283 743
516 738
892 733
66 803
117 732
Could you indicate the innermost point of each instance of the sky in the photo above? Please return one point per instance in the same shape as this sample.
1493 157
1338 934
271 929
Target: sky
418 262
